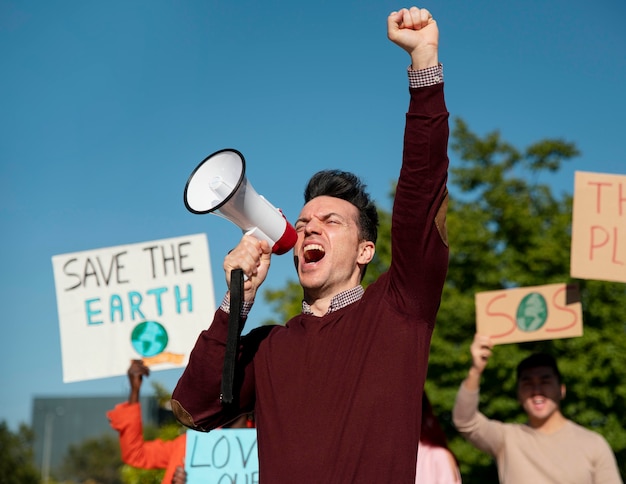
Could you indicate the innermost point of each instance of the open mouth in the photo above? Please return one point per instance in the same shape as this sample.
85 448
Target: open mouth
313 253
539 402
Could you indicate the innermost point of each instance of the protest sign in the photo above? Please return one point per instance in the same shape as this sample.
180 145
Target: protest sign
529 313
599 227
145 301
223 456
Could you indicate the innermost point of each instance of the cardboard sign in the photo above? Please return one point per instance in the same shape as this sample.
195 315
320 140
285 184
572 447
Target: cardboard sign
145 301
599 227
223 456
532 313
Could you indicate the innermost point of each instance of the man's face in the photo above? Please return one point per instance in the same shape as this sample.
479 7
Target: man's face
540 393
329 252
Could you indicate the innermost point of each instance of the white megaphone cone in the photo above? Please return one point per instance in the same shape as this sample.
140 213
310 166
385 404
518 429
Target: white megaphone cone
218 185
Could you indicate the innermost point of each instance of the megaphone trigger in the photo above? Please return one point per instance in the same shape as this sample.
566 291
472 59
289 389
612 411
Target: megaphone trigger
218 185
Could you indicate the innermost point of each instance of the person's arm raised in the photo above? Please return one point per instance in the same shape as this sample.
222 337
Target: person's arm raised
481 351
136 372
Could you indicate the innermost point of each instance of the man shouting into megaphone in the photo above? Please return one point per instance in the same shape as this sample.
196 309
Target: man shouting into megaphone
337 391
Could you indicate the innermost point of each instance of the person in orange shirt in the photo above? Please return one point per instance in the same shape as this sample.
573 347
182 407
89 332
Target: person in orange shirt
158 453
137 452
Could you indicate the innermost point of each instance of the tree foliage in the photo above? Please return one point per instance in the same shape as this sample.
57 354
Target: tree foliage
17 464
506 229
95 460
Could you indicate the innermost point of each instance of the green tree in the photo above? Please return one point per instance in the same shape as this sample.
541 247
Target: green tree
96 460
17 465
134 475
506 229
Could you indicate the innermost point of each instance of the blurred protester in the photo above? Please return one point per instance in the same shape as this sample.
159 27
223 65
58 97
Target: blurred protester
549 448
137 452
436 464
158 453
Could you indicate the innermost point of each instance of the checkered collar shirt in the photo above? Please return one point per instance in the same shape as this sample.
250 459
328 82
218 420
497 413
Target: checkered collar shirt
339 301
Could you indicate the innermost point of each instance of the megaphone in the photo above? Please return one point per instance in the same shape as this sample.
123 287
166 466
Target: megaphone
218 185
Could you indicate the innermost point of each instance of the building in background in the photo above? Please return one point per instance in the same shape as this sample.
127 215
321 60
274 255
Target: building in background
59 423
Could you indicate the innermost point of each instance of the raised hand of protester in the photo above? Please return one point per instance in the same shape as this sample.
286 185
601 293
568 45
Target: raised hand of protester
415 30
136 372
481 351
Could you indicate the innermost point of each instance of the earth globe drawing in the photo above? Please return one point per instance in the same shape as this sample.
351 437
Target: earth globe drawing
532 312
149 338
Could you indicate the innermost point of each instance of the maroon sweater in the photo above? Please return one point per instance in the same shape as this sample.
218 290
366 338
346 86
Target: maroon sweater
337 398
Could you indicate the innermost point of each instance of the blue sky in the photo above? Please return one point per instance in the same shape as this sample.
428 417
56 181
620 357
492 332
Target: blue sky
106 108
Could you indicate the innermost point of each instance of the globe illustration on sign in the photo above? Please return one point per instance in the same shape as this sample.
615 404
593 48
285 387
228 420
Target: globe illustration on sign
149 338
532 312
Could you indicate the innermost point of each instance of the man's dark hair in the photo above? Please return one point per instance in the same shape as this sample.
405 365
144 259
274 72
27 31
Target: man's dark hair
538 360
348 187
